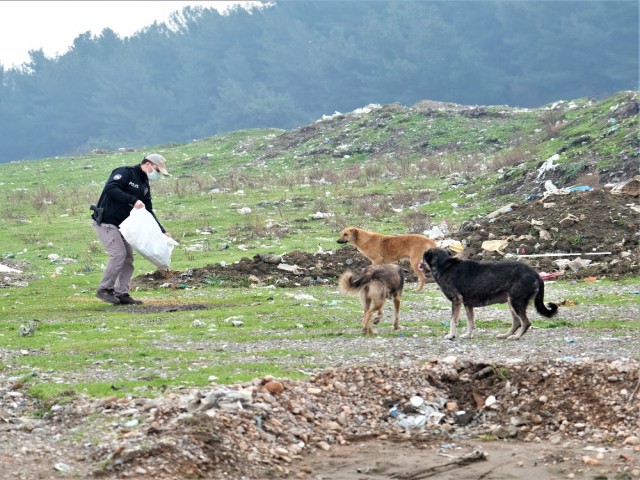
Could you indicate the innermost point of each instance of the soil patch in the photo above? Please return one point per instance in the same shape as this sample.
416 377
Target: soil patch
578 235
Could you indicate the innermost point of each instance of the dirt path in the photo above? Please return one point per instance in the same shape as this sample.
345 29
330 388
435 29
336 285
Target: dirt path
467 459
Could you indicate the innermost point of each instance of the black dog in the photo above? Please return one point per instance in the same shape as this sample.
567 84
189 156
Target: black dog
474 284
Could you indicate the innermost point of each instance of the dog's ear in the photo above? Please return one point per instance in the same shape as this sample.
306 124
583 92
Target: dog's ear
427 256
354 233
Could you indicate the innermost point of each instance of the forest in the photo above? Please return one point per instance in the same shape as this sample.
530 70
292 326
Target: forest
287 63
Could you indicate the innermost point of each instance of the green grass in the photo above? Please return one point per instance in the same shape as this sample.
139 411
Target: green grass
44 214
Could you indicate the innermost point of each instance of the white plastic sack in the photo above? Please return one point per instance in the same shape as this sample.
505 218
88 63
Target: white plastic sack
143 233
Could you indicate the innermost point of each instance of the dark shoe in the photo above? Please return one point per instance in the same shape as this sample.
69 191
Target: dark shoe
107 296
127 299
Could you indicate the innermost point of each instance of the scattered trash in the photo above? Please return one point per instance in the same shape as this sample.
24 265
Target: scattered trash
548 165
5 269
568 303
630 187
235 320
410 422
321 215
491 400
62 467
501 211
569 219
221 398
434 233
270 258
454 246
549 186
29 329
495 245
303 297
544 235
548 276
578 263
296 270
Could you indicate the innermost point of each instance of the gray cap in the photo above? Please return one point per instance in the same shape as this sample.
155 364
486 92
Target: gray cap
158 160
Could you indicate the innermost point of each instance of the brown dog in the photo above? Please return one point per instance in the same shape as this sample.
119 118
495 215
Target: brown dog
381 249
374 285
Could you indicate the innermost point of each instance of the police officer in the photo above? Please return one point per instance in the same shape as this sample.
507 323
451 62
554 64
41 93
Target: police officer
126 188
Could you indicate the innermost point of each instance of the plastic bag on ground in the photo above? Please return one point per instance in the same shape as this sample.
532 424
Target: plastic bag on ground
143 233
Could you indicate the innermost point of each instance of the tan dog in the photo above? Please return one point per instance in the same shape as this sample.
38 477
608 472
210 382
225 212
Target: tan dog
374 285
381 249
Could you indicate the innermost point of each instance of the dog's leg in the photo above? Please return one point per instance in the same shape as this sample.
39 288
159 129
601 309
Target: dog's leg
377 309
366 321
515 322
455 315
416 265
396 312
471 323
366 324
521 311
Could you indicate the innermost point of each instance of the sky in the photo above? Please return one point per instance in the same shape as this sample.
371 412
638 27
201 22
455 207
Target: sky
53 25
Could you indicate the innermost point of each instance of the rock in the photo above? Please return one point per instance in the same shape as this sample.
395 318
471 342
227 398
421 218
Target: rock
273 387
631 440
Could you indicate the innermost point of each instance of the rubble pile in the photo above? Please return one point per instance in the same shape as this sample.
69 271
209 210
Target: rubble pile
260 429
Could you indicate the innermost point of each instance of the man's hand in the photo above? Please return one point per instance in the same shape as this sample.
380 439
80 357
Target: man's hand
138 204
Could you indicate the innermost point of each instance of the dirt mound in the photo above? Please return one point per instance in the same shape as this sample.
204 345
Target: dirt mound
270 428
577 235
293 269
596 231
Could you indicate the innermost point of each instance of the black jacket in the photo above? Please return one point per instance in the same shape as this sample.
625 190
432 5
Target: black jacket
125 186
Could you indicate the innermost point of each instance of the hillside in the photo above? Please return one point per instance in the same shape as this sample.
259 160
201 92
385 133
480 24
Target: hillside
390 168
221 374
489 155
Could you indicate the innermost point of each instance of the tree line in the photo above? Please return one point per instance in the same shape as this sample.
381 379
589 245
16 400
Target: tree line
285 64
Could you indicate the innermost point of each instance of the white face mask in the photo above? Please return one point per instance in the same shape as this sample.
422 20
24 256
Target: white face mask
153 175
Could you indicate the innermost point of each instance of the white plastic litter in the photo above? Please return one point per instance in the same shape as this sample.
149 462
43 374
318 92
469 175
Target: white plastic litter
143 233
5 269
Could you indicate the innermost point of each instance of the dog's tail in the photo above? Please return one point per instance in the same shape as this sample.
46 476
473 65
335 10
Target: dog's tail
548 310
351 284
345 283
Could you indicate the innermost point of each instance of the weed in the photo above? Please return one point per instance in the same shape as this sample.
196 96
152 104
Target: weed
417 221
510 158
42 198
94 248
576 239
572 170
554 324
32 238
551 122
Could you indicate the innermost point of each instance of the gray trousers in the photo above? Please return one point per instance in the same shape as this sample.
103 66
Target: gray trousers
117 275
